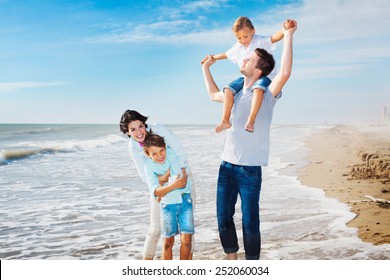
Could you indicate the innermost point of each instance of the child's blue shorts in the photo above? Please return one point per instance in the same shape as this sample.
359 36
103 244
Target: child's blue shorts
177 218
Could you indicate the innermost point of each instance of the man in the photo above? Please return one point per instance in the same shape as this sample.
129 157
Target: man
244 153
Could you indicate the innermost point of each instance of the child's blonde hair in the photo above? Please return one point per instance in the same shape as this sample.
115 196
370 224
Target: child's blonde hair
242 22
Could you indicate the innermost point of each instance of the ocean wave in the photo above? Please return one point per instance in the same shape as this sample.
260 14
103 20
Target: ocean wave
33 149
7 156
8 131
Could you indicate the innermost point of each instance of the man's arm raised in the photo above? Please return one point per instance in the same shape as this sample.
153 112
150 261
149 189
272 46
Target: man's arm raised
287 59
212 88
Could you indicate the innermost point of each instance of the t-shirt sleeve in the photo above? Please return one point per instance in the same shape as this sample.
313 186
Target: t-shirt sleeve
152 179
264 42
173 142
270 99
174 163
139 161
232 54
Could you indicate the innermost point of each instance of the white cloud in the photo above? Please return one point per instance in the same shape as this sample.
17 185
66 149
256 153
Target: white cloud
334 35
319 21
171 25
169 33
10 87
339 38
204 5
193 7
341 21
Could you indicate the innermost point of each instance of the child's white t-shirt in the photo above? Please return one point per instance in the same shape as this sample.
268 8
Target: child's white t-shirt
238 52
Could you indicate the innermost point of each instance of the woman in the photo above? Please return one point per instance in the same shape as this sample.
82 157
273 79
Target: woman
134 125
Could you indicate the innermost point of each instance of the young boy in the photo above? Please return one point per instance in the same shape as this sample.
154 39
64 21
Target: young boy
247 42
175 196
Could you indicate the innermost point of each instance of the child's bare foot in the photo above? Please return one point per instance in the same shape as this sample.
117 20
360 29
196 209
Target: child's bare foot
250 126
222 126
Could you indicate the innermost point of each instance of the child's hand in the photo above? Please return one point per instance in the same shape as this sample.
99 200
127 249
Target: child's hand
289 23
206 57
208 61
289 26
164 178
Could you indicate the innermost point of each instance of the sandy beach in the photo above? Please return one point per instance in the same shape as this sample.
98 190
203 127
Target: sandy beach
352 164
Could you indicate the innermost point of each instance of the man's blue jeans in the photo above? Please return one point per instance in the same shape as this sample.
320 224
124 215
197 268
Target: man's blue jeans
234 180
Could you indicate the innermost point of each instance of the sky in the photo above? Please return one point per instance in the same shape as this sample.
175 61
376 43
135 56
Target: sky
89 61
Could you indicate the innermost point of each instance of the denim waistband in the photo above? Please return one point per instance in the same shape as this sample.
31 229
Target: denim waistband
228 164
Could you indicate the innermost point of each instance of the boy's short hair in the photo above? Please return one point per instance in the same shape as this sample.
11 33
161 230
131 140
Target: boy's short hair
266 63
242 22
154 140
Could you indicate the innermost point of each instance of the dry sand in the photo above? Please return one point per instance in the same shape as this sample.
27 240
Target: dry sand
352 164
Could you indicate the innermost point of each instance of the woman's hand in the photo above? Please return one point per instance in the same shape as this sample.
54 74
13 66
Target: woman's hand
184 172
163 179
180 182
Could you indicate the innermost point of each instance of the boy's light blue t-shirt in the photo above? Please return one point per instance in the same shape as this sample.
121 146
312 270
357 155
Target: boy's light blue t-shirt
154 169
172 141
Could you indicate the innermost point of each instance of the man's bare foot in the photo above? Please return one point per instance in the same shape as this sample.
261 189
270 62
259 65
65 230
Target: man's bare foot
232 256
222 126
250 126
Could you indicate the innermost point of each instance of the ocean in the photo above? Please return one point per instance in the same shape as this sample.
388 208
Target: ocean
71 192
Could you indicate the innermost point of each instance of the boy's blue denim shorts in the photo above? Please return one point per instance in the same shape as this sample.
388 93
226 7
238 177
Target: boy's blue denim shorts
237 85
177 218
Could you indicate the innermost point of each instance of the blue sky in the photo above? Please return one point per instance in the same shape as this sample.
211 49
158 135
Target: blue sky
88 61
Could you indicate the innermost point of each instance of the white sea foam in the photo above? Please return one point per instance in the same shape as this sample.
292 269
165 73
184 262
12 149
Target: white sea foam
26 149
90 204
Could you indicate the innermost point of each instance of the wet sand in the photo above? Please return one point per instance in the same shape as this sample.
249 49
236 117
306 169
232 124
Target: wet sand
352 164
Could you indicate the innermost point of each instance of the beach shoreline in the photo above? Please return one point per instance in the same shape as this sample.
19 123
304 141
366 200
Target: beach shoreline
352 164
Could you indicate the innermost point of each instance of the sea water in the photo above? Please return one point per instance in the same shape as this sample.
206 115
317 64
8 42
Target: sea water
72 192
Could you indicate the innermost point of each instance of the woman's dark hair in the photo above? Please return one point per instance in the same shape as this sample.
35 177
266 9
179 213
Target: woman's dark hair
127 117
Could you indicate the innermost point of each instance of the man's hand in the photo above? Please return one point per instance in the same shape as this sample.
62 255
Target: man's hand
212 88
208 61
206 57
285 68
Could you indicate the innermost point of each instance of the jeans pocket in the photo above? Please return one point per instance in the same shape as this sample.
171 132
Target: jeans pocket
250 171
187 199
163 205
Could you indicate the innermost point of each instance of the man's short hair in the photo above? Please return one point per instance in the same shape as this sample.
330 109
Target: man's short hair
266 63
